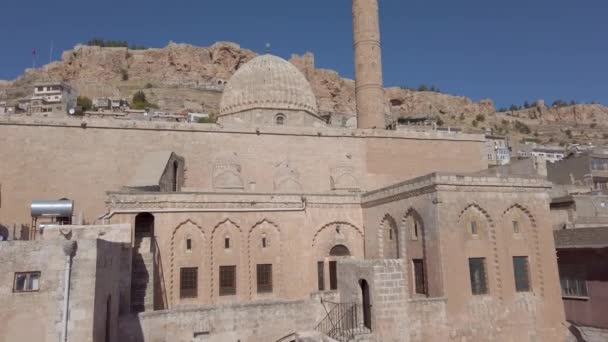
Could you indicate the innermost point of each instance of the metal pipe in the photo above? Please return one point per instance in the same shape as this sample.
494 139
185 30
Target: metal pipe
69 248
66 298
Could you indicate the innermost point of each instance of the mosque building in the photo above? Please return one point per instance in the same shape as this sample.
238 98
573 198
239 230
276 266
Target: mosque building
274 226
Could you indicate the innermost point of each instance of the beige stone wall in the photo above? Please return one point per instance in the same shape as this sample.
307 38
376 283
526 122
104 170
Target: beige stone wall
447 205
267 117
297 238
268 321
95 275
50 159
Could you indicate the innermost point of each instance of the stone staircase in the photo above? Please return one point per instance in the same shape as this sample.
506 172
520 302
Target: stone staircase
142 278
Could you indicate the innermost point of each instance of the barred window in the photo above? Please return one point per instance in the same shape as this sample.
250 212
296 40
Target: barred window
321 275
27 282
474 229
188 281
479 282
419 276
573 279
264 277
227 280
521 271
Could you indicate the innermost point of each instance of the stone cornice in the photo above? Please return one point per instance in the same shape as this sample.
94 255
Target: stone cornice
322 132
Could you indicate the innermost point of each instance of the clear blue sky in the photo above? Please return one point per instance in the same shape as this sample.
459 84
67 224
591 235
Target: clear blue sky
509 51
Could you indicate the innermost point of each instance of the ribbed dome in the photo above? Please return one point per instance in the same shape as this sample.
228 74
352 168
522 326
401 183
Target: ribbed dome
268 82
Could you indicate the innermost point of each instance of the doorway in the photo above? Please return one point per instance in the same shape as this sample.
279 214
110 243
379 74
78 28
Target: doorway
367 306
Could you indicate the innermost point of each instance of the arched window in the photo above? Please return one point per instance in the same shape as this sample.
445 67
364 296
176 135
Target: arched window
339 251
279 119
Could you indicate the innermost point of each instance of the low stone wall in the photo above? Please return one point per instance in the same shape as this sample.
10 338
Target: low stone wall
594 334
256 322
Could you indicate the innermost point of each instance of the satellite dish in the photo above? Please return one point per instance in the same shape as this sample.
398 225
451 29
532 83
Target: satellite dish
72 111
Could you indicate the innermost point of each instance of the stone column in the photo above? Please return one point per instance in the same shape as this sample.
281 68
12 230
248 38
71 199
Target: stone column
368 65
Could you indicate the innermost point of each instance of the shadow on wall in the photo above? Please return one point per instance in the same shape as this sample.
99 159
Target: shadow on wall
4 233
108 291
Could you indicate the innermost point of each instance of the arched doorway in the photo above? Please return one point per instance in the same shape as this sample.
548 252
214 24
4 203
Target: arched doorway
366 303
336 252
144 225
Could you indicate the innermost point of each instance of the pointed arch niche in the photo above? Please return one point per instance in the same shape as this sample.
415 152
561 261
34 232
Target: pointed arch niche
388 239
189 250
416 253
477 236
520 232
265 248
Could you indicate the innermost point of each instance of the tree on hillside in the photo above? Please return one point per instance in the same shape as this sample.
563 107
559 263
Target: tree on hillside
140 102
84 103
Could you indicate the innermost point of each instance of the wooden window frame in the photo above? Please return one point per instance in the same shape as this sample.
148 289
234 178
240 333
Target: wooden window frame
419 277
522 277
28 280
573 280
264 278
483 288
188 282
321 275
227 280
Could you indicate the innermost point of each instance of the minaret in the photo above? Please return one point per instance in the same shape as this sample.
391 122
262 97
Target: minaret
368 65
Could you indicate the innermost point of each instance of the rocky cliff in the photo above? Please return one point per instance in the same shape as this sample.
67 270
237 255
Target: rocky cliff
182 76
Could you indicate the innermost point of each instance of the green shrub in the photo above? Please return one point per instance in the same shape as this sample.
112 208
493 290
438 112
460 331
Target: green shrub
140 102
480 118
84 103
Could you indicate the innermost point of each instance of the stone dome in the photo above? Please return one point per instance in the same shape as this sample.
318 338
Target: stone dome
268 82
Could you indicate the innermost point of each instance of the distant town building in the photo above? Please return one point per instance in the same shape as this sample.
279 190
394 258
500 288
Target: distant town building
581 239
588 168
551 154
498 150
52 97
195 117
101 103
106 103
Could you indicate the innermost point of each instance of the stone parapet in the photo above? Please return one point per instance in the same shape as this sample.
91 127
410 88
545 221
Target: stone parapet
72 122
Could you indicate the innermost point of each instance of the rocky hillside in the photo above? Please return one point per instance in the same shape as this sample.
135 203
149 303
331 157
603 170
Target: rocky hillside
182 76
